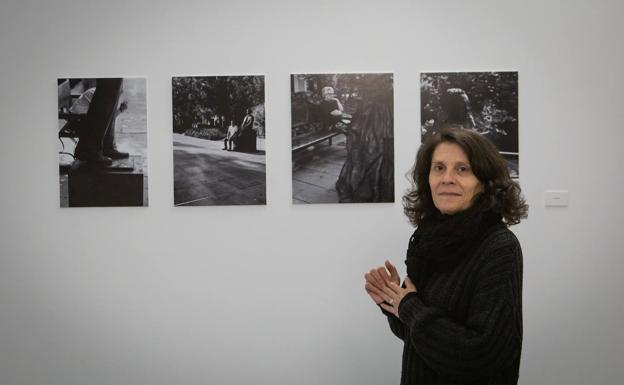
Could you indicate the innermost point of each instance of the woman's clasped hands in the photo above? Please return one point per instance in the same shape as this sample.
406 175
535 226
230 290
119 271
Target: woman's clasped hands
383 286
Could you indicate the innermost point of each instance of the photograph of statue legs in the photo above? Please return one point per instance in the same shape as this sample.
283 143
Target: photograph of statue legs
102 133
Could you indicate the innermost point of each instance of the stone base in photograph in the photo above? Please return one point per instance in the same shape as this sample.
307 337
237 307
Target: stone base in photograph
116 185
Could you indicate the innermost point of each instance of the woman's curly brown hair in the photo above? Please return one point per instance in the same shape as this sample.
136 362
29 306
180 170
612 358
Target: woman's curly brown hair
501 194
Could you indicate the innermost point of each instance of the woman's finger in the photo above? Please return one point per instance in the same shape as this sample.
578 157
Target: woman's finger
388 308
394 274
395 288
387 291
383 273
381 293
373 289
379 281
371 274
375 297
370 278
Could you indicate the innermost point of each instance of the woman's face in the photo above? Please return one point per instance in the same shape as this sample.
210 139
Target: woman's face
453 185
328 93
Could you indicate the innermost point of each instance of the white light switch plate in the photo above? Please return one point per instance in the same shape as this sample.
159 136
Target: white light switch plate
556 198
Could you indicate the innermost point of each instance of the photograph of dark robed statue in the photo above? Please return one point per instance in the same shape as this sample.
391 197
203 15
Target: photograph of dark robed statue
342 136
486 102
218 140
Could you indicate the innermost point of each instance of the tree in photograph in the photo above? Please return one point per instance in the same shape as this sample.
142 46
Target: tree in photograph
368 172
490 100
198 99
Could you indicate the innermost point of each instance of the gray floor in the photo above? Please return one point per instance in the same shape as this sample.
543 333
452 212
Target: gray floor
316 170
204 174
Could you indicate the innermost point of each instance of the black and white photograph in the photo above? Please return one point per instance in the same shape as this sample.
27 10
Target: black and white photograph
486 102
218 140
102 142
342 137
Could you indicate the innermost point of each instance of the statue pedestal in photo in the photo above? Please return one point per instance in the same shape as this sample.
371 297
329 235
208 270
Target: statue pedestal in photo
116 185
246 142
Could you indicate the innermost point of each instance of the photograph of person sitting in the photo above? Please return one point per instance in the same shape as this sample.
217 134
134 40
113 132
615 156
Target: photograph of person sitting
229 143
331 110
218 157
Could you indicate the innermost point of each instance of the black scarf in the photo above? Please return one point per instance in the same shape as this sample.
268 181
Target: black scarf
442 242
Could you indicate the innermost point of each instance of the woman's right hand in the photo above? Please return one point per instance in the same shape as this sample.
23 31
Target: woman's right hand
379 278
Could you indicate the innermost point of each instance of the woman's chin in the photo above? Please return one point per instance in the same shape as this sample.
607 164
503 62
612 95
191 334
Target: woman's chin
450 210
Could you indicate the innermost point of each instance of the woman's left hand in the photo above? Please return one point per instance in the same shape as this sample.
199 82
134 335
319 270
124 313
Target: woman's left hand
396 293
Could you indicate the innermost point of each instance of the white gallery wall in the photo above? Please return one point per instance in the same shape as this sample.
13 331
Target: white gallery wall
274 294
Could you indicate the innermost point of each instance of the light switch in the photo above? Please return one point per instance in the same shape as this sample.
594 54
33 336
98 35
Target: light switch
556 198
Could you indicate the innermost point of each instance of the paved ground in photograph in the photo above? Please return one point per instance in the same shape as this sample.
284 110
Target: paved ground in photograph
316 170
205 174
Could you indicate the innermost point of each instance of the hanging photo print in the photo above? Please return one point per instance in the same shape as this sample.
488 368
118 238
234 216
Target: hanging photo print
102 136
218 140
342 136
486 102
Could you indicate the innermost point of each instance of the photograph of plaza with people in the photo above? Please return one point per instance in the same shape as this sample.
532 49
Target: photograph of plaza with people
218 140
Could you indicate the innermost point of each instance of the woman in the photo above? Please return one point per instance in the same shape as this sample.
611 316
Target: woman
459 310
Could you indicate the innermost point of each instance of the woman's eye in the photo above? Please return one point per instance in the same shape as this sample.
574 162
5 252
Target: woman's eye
438 167
463 169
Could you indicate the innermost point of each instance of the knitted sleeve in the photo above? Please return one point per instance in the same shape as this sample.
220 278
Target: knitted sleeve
396 325
490 338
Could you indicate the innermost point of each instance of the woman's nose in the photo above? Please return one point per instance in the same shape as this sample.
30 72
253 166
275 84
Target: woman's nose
448 177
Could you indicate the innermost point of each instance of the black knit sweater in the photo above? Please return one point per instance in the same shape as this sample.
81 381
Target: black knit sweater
464 326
